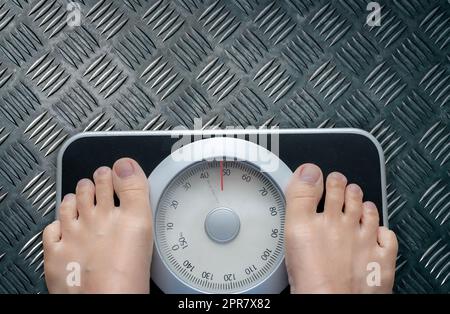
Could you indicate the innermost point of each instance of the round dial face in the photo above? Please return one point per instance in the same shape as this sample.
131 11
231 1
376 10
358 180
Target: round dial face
219 226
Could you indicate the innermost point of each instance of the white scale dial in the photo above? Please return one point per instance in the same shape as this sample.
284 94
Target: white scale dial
219 226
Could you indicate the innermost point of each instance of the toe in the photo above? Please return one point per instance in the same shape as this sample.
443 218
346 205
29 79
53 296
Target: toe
370 220
303 193
85 192
387 240
104 190
387 249
130 184
68 213
52 234
353 203
334 195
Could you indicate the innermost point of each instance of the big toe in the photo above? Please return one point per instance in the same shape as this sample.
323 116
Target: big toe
131 186
303 193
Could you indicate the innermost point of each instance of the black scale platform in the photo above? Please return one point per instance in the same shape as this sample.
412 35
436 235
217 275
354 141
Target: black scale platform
355 155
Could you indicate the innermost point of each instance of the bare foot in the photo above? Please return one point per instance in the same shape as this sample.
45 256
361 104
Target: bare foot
337 250
112 245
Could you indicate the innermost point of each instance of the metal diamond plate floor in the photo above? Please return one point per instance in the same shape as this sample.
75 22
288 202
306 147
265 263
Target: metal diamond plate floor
141 65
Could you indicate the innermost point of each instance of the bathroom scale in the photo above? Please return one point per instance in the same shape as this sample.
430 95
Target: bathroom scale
217 196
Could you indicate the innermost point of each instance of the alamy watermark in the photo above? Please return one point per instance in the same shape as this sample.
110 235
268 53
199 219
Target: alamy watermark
73 278
73 18
374 17
373 278
234 143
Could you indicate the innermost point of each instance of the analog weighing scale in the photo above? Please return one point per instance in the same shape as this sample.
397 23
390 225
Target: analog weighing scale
217 196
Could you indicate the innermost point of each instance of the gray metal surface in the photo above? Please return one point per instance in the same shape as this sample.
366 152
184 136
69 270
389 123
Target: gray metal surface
141 65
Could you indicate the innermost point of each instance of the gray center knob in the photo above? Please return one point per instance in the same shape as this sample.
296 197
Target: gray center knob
222 225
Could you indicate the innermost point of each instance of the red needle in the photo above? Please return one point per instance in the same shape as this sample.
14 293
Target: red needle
221 175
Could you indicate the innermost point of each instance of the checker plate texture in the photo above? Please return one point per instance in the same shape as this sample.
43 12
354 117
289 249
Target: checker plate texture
152 65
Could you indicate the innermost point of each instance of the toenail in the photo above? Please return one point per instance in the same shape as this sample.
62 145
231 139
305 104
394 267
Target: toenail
69 197
337 176
354 188
124 168
101 171
370 206
309 174
84 182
